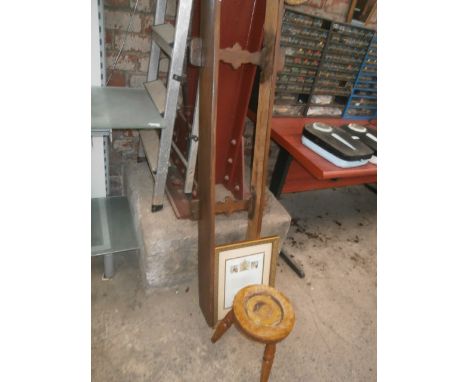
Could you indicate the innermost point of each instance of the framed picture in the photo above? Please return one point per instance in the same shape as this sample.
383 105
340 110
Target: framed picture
240 264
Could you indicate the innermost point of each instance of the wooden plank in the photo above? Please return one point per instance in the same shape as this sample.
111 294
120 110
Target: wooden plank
164 36
365 10
349 16
150 142
371 13
299 180
272 28
209 24
157 92
180 203
311 184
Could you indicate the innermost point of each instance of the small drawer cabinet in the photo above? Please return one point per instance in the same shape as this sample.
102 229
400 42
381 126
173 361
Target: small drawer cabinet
330 68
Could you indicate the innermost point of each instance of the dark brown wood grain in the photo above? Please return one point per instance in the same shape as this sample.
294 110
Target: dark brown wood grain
268 357
349 16
371 13
223 326
272 29
209 23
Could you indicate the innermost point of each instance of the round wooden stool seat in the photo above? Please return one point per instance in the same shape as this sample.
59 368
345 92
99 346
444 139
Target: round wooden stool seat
263 313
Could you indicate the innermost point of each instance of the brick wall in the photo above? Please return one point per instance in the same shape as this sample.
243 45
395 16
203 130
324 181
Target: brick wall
132 65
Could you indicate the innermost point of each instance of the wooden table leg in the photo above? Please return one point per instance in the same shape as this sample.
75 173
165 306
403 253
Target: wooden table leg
268 357
223 326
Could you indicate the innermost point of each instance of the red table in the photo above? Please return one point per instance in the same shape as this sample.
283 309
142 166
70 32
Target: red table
300 169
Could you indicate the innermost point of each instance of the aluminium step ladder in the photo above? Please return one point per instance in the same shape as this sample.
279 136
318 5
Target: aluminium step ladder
173 42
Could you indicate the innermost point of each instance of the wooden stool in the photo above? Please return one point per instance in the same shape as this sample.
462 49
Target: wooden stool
263 314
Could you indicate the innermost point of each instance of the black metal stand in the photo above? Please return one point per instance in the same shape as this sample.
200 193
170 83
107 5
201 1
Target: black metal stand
293 264
371 187
276 186
280 172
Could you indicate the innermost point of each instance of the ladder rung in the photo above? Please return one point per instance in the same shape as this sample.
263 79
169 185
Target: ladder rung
164 37
150 141
157 92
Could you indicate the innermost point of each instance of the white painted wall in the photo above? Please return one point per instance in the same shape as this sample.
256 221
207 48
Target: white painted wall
98 155
98 167
98 66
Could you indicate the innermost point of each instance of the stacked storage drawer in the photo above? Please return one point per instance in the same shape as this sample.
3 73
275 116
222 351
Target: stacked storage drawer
303 37
341 61
363 100
323 61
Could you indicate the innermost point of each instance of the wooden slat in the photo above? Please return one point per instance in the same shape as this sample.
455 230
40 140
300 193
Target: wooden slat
299 180
150 141
209 23
164 36
157 92
272 28
371 13
349 16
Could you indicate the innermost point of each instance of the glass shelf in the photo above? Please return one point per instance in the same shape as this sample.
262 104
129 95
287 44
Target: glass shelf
111 226
123 108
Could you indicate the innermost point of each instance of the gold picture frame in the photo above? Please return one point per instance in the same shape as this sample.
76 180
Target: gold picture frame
241 264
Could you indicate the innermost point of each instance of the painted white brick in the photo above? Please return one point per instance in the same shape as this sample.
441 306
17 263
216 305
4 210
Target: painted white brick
163 64
315 3
143 5
337 7
125 61
171 8
134 42
144 62
123 144
137 81
147 23
119 20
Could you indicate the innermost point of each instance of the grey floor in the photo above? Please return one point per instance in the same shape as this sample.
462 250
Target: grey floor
160 335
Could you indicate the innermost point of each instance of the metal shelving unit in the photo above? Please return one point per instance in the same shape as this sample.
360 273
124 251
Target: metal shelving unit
362 103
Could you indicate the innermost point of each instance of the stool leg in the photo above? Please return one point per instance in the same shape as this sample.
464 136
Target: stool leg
268 357
223 326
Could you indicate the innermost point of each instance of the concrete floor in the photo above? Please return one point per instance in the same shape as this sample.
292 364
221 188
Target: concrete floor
161 335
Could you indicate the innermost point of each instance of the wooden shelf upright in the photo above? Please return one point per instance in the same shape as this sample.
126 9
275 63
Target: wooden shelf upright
267 59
